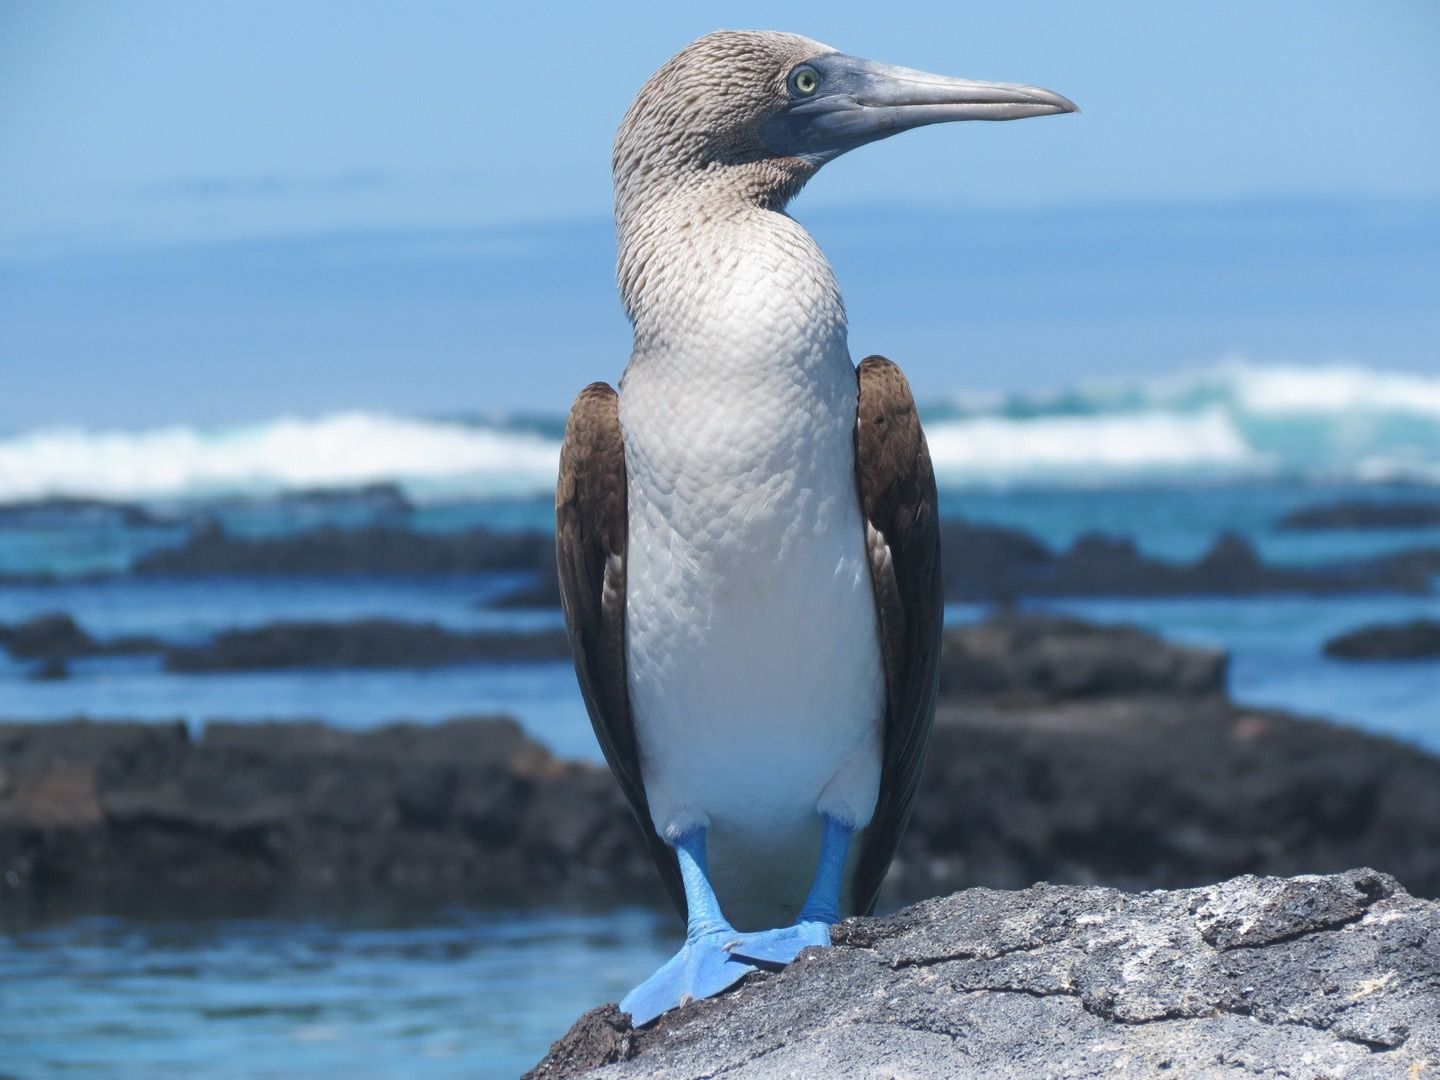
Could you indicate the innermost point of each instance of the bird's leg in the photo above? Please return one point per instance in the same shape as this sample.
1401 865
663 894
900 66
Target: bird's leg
776 948
704 965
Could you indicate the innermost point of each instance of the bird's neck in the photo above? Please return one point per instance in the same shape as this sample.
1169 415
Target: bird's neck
718 268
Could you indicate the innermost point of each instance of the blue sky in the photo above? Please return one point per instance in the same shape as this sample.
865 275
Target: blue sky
215 212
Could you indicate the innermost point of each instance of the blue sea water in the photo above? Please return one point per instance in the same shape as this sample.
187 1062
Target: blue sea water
428 990
416 991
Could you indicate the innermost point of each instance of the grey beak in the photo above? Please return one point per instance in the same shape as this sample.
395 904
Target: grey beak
859 101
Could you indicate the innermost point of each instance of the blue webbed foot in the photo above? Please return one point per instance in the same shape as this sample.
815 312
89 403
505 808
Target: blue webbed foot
715 956
776 948
701 969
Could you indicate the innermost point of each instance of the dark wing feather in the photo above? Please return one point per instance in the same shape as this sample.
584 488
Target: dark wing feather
897 498
590 532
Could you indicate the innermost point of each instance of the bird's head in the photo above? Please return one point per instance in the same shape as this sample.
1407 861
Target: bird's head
774 107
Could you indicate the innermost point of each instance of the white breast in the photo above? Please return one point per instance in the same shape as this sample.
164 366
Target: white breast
754 666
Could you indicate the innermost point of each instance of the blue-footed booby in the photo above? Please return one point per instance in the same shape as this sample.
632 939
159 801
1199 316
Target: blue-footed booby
747 533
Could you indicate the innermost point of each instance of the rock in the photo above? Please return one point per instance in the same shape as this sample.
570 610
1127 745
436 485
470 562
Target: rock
1232 563
995 564
991 563
382 498
1161 791
55 637
362 643
60 511
986 564
302 509
52 669
373 549
1418 639
470 805
1032 658
1365 514
1300 977
1063 752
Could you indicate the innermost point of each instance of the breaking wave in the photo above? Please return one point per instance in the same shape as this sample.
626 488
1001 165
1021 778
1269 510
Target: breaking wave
428 458
1234 420
1229 421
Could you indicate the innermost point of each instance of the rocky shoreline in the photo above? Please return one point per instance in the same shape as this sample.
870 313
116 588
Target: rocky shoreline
983 562
1062 752
55 639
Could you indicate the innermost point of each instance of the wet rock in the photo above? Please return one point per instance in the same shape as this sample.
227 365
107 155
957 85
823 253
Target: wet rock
1061 752
62 511
990 562
55 637
1418 639
52 635
1273 977
1149 791
1365 514
374 549
1034 657
995 564
471 805
362 643
986 564
383 498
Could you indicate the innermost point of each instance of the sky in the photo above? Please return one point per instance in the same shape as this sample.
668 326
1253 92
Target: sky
222 212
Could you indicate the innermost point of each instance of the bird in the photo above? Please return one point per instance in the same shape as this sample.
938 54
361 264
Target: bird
747 533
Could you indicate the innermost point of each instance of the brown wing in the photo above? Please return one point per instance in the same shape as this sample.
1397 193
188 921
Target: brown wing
590 531
897 498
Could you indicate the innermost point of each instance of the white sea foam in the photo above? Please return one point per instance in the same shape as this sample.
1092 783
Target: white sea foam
1335 420
1227 420
1076 447
332 451
1294 390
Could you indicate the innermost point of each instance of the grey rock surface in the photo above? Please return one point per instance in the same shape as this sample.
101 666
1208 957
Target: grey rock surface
1302 978
1365 514
363 643
106 809
1032 657
1418 639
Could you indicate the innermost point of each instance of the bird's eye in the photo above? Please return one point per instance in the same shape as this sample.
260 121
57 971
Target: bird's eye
804 81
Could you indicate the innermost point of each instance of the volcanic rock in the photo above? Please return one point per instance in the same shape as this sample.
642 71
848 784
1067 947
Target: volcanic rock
374 549
1272 977
471 804
1364 514
362 643
1418 639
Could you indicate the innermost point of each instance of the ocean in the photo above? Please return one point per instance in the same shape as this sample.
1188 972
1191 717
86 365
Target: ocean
451 990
